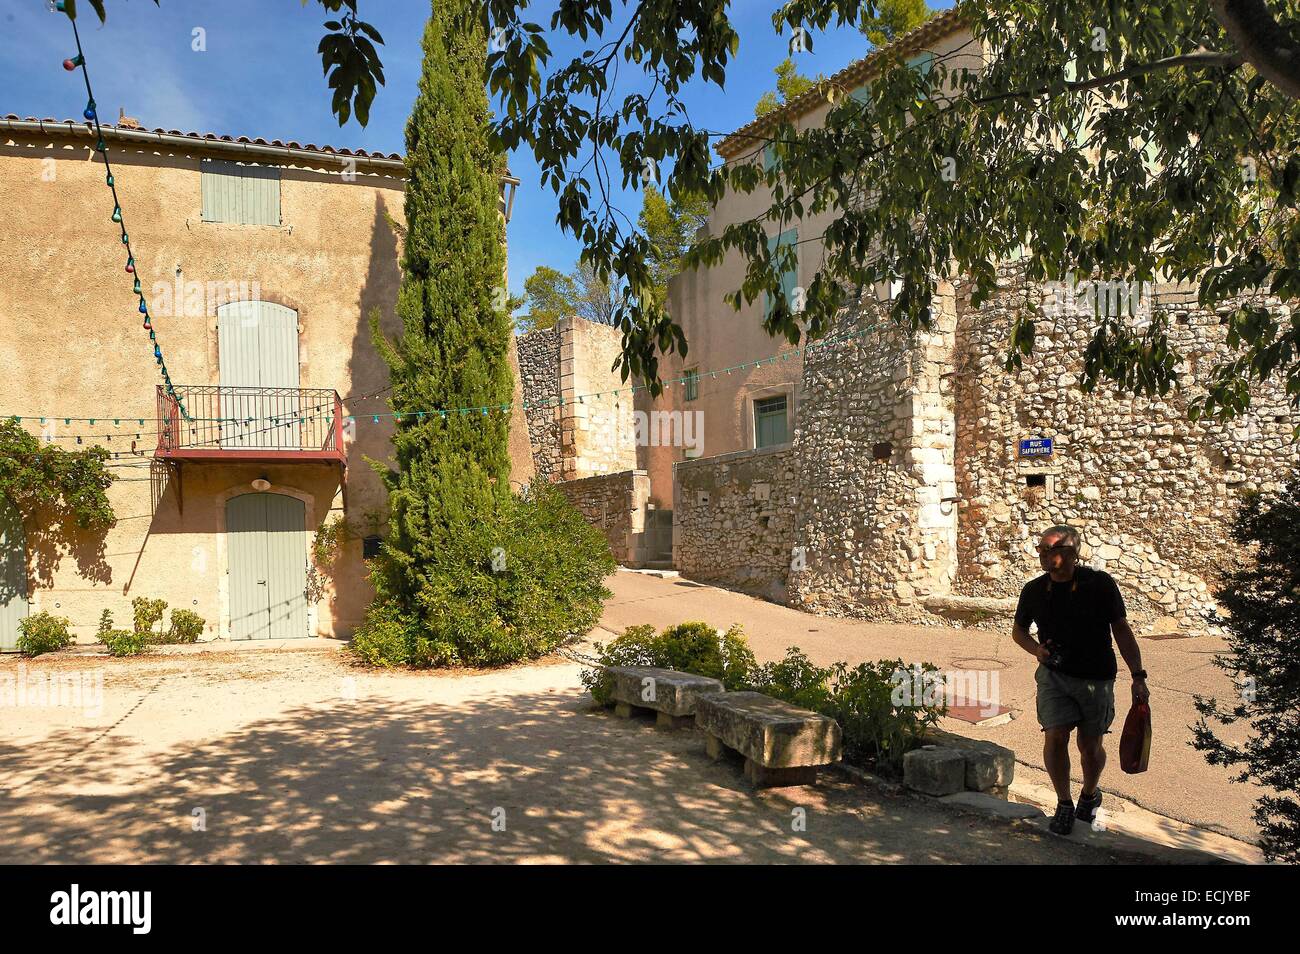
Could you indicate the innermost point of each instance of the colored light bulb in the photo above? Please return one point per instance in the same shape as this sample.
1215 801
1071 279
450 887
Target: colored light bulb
72 62
108 180
144 308
117 213
147 325
125 239
89 113
130 264
157 353
136 289
99 146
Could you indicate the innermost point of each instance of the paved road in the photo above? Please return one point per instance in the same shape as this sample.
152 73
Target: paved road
1179 783
296 756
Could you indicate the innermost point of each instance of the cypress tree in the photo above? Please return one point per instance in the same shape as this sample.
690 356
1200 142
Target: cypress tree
452 471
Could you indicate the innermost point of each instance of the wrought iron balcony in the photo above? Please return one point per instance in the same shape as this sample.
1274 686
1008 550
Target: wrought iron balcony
250 424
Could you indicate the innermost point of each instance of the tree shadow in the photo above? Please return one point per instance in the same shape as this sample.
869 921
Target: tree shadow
383 780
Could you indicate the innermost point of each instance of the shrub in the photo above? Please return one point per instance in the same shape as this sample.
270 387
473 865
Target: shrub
795 680
687 647
1263 598
43 633
148 613
512 585
123 642
105 625
879 725
186 627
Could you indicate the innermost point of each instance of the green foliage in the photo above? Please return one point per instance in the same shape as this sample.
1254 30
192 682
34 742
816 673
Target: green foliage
449 498
186 627
147 614
122 642
105 625
72 484
551 294
687 647
43 633
669 227
1263 600
879 723
789 84
1112 142
893 18
328 541
513 585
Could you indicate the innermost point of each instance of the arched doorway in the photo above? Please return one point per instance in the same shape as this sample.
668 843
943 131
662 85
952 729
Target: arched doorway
267 566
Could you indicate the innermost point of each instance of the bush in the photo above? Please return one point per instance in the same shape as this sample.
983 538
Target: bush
508 586
687 647
43 633
879 727
187 627
123 642
148 613
1263 598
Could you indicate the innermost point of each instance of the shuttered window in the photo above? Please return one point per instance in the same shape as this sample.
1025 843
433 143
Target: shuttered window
692 384
770 422
239 194
789 276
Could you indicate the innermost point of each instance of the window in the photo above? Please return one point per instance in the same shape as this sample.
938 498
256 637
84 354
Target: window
770 421
239 194
692 384
789 277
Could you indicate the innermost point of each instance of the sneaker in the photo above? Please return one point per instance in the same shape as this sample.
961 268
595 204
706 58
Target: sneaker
1063 821
1088 805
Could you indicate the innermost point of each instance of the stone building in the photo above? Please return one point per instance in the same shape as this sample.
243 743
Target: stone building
261 262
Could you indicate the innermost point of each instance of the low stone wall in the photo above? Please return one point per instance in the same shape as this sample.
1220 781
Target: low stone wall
616 503
733 519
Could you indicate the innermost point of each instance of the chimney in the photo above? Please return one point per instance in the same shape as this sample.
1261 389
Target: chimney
126 122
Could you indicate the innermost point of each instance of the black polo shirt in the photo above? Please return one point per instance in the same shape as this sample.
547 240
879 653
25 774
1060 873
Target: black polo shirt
1076 616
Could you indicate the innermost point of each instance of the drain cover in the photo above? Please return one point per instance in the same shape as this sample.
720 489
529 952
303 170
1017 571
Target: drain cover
977 662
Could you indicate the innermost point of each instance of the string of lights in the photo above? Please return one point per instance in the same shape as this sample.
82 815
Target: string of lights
91 113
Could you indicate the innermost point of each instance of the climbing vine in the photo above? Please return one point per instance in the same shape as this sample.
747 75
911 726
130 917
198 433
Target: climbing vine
73 483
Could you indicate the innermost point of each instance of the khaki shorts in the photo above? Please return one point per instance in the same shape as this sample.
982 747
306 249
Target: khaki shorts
1088 704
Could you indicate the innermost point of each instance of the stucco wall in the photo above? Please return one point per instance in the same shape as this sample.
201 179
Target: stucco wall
71 345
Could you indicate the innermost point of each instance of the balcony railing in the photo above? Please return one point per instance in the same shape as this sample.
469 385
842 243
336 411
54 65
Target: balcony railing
251 424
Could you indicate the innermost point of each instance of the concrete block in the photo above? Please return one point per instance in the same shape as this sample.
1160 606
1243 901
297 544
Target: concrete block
988 765
768 732
664 690
935 771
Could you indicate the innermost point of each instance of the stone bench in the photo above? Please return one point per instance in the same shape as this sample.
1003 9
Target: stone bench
953 763
670 694
782 744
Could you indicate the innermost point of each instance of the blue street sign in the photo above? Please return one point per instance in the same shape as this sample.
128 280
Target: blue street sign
1036 447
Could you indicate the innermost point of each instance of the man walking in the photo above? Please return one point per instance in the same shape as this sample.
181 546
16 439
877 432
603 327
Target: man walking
1077 610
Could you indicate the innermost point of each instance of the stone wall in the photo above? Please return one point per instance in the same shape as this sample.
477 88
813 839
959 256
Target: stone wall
874 446
539 372
733 519
616 503
1152 491
904 485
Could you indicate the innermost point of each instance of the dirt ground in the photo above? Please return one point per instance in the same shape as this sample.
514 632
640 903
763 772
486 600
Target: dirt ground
295 755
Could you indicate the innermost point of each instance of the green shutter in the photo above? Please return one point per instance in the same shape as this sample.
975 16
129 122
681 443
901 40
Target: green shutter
789 277
770 422
258 349
13 575
239 194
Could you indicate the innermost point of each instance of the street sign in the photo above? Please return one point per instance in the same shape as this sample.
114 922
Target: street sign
1036 447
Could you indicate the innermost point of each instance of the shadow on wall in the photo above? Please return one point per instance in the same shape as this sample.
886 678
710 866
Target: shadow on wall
52 535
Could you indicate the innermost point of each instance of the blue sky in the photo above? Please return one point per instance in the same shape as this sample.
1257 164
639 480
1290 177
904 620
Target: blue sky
260 76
